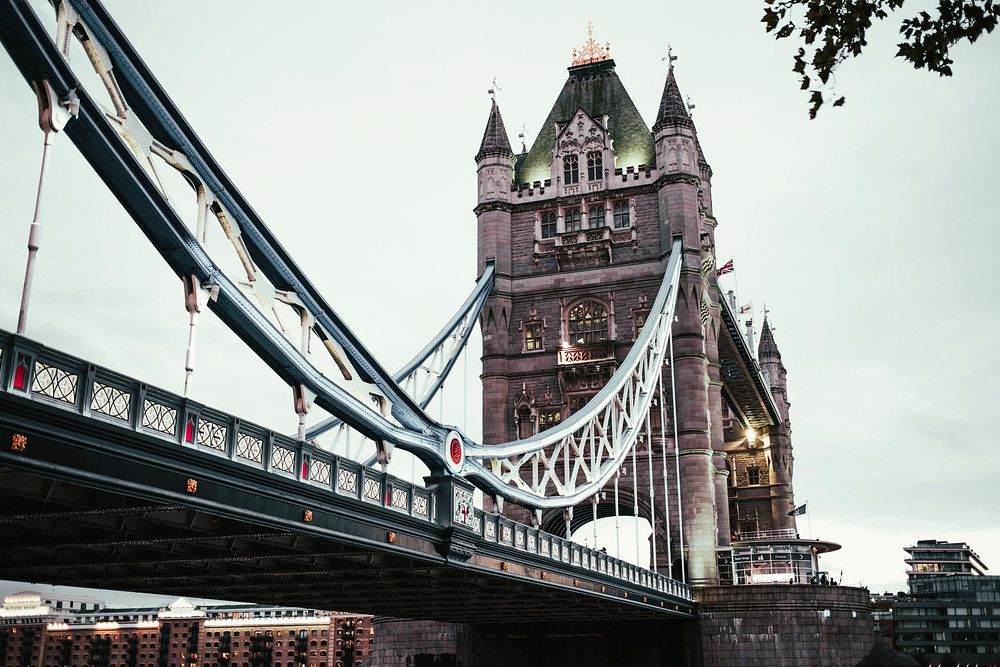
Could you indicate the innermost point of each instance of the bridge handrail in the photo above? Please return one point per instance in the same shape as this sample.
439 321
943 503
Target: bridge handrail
46 375
759 535
39 373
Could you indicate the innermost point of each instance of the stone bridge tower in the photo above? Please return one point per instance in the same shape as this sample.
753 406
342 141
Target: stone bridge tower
580 228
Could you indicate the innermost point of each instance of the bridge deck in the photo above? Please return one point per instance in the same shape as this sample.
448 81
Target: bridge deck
96 492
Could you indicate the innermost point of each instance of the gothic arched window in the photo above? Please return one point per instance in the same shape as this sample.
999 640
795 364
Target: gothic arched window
573 220
588 323
549 219
525 424
753 475
595 166
595 217
571 170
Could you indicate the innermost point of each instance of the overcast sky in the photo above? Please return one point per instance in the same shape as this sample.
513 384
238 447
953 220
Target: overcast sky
871 233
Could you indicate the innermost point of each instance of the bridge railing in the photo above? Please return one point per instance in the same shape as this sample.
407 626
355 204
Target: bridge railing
763 535
502 530
38 373
42 374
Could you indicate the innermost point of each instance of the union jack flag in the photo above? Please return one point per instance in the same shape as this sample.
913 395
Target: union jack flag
746 308
724 269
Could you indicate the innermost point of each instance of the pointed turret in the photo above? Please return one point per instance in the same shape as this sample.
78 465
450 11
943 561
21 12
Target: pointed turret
702 161
672 109
495 141
767 349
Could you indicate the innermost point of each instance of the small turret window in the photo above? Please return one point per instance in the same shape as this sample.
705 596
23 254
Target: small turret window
571 170
595 217
549 224
595 166
622 219
588 323
573 223
533 340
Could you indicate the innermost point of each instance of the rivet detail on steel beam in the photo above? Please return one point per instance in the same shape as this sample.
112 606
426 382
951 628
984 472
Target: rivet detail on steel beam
18 443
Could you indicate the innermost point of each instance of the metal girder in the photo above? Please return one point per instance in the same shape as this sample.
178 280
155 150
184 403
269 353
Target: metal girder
574 460
424 375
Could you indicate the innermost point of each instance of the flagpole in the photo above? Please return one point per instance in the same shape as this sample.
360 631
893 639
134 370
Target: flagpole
809 520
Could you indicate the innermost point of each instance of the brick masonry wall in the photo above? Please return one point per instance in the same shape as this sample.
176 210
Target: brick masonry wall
553 644
399 641
805 626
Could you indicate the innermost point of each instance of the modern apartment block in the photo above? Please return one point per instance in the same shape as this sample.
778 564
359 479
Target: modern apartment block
930 558
952 610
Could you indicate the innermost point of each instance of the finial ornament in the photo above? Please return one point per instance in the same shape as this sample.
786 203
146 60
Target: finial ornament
591 52
524 129
670 57
494 89
690 106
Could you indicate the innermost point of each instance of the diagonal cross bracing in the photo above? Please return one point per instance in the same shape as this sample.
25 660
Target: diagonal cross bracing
574 460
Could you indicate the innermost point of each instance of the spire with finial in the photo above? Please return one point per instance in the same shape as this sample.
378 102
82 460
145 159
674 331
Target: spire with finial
495 141
672 110
767 349
591 52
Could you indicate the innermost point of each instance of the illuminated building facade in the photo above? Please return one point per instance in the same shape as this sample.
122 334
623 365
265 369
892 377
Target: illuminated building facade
36 633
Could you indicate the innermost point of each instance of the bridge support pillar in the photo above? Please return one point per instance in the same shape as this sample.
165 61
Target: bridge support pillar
453 510
403 643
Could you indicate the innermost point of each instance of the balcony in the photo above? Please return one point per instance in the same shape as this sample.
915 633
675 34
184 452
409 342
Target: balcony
587 354
584 247
767 535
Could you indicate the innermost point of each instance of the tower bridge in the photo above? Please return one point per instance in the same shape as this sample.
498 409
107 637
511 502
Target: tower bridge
616 383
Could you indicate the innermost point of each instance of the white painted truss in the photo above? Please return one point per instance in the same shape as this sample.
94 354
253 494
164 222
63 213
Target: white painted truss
557 468
575 460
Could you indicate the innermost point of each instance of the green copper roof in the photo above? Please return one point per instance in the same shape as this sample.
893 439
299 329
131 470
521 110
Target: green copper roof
597 90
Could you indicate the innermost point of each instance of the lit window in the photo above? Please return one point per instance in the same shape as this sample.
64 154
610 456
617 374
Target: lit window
588 323
621 214
547 420
549 224
595 166
595 217
573 223
571 170
533 337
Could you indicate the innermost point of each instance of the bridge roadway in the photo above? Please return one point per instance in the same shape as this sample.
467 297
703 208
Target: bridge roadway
107 482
